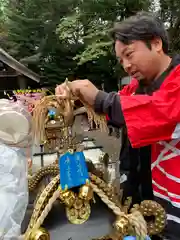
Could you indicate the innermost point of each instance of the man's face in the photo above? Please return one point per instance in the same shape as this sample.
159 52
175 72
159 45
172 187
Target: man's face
138 60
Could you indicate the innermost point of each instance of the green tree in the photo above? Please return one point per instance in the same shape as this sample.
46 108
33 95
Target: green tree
89 26
3 32
170 13
60 39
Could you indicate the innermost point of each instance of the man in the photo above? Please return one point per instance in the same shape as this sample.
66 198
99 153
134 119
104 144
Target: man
152 118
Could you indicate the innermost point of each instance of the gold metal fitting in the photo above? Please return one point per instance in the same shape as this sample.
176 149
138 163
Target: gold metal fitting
71 150
86 192
67 197
122 225
39 234
78 204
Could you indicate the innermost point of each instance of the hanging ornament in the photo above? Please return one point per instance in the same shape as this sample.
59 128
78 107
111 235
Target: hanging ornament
78 216
86 192
67 197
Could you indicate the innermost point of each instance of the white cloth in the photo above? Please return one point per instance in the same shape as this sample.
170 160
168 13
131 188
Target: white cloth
15 133
15 123
13 191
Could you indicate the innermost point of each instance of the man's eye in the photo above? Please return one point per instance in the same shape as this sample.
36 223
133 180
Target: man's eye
129 54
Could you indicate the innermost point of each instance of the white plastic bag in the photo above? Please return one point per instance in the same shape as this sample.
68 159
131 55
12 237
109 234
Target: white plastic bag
15 123
15 136
13 191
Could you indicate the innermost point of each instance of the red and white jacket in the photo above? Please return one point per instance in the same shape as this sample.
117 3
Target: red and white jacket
155 120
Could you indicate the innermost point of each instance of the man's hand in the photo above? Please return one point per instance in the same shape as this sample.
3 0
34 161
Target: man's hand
83 89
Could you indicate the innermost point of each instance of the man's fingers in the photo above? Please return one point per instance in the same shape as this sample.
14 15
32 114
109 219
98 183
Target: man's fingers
61 91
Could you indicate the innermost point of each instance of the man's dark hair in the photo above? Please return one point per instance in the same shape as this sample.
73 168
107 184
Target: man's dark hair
143 26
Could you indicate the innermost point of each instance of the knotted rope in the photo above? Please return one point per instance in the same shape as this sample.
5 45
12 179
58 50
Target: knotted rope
135 218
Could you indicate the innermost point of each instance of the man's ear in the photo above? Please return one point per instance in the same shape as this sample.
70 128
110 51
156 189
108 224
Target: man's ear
156 44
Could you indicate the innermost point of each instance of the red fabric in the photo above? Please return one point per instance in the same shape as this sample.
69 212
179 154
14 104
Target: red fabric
152 118
165 172
129 89
107 118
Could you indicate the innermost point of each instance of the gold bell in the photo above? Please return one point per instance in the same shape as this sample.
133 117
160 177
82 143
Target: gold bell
86 192
39 234
122 225
67 197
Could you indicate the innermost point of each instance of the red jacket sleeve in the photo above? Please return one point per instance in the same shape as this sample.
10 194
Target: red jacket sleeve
153 118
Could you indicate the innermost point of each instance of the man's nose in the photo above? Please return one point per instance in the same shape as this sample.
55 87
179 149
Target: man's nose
126 65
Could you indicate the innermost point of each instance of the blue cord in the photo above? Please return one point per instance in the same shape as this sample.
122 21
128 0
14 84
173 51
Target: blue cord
134 238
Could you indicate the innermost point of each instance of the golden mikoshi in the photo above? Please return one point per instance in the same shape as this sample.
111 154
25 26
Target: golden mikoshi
78 204
78 210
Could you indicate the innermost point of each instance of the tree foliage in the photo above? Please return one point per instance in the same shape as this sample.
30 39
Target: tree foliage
60 39
170 14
